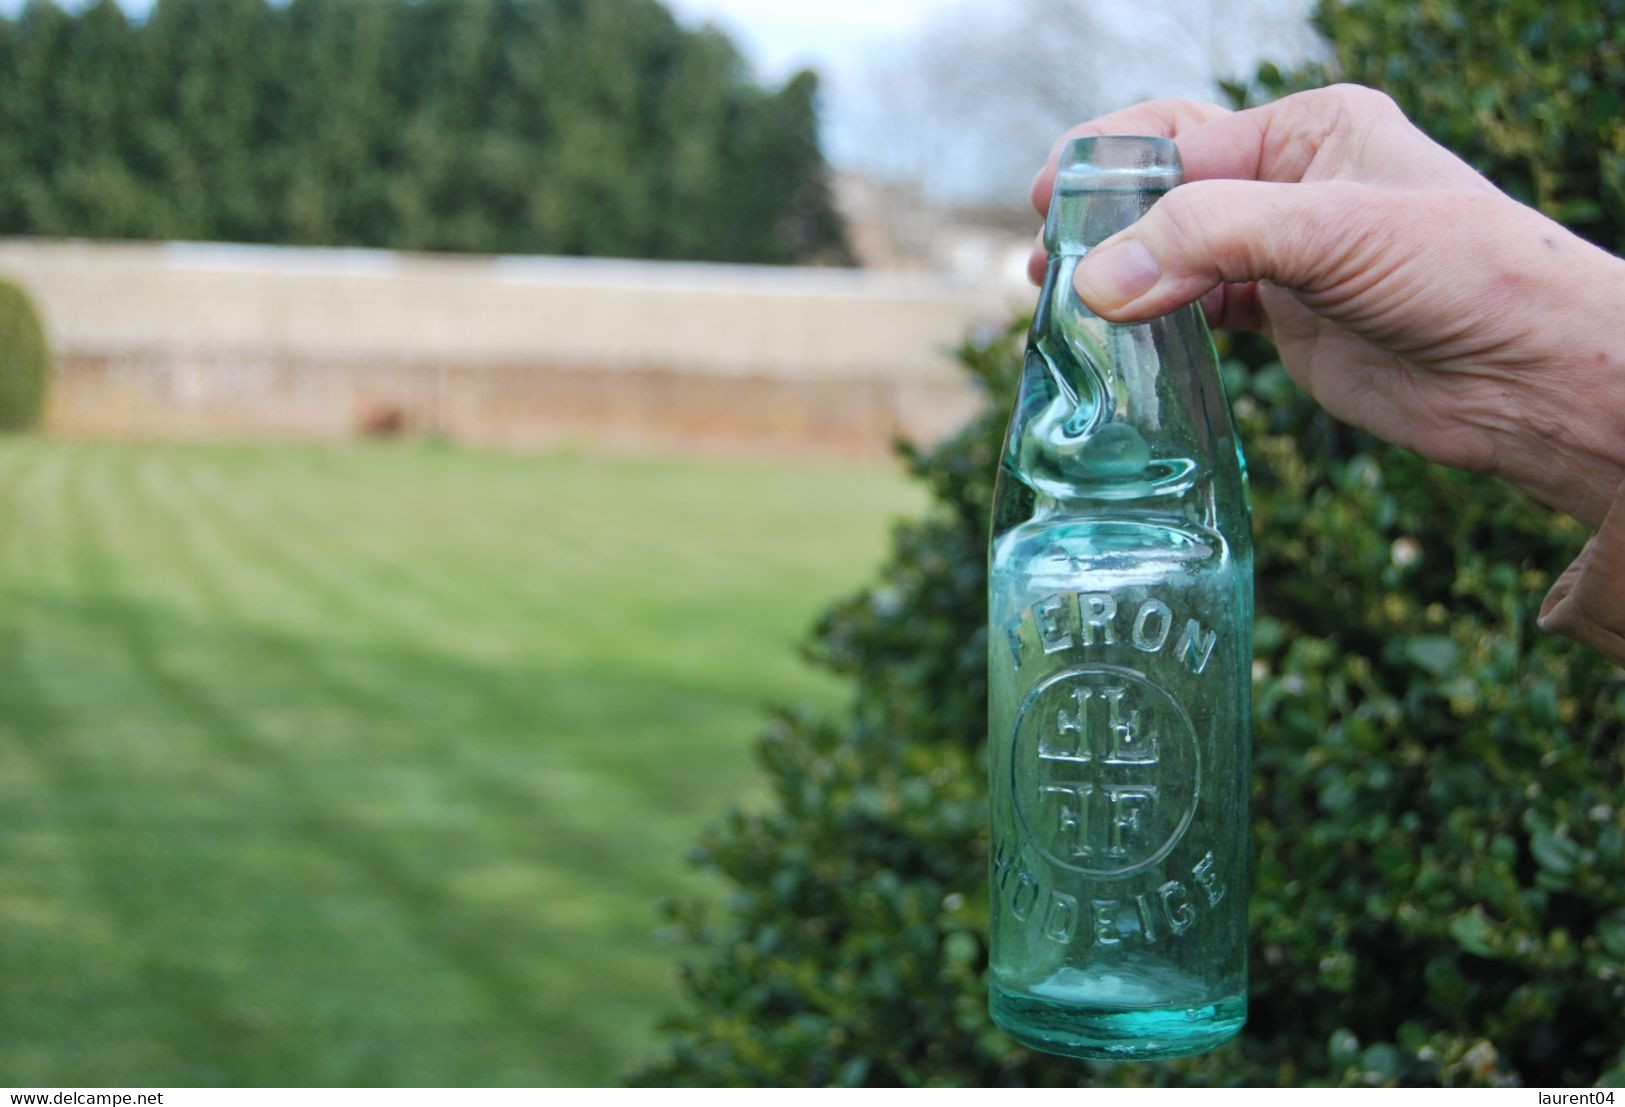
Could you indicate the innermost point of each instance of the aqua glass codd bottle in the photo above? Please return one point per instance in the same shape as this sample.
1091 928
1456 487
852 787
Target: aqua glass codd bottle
1120 658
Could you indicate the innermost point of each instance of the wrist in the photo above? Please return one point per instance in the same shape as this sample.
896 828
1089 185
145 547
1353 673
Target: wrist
1568 447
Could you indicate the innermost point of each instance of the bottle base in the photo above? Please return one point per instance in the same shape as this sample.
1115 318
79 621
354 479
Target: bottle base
1116 1034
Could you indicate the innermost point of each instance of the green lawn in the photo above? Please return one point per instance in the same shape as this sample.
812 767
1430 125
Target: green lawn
371 765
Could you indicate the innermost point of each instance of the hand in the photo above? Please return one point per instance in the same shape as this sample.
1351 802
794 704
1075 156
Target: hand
1405 293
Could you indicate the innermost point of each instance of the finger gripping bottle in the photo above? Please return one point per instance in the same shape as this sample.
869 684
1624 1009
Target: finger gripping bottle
1120 659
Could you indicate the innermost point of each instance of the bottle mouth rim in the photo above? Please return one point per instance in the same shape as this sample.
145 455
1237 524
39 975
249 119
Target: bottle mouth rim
1119 162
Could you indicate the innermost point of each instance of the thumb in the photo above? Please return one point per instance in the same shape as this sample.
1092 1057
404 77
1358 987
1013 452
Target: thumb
1207 233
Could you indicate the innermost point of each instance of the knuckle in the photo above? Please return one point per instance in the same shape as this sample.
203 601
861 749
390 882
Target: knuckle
1182 106
1322 110
1362 101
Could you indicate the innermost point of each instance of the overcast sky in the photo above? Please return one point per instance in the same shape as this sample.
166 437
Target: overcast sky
837 38
1155 48
781 36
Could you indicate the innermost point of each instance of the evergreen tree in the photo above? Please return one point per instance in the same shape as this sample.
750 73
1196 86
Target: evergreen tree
536 126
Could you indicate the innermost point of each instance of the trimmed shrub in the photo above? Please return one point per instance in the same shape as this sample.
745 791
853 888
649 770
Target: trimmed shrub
1439 803
25 361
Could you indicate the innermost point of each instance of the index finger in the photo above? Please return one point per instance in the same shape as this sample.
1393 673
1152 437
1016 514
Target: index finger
1161 118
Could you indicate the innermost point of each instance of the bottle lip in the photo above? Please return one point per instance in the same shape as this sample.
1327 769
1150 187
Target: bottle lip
1119 162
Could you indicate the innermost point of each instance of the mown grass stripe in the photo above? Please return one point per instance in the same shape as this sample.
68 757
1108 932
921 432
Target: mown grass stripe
367 710
316 818
504 794
44 726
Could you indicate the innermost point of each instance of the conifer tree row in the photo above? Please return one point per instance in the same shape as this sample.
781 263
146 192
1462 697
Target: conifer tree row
594 127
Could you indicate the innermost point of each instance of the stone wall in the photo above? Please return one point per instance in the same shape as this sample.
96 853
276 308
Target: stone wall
184 341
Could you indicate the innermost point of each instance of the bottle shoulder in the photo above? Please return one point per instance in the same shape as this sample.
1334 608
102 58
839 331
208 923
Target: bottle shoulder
1061 543
1207 496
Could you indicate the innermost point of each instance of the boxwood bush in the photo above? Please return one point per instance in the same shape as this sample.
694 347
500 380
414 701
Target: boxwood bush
1439 801
25 361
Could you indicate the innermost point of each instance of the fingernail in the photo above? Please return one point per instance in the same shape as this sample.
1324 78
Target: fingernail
1117 274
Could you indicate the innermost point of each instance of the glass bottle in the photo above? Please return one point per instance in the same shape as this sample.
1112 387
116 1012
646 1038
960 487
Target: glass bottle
1120 661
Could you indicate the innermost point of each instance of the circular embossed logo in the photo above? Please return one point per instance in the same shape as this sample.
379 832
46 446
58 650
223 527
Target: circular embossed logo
1107 769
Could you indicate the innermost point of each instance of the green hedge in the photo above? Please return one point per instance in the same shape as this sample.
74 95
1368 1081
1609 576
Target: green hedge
25 361
1439 804
603 128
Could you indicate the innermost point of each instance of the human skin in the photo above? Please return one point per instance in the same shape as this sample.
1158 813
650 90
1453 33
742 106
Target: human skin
1406 294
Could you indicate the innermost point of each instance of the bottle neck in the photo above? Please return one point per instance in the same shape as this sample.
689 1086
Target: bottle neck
1081 218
